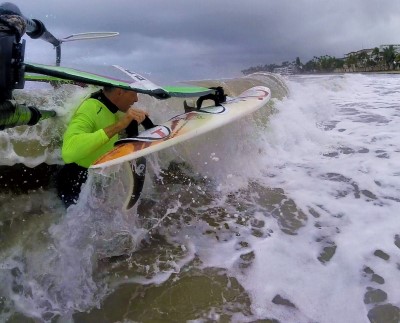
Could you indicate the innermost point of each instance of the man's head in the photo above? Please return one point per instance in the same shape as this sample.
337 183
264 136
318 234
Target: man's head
123 99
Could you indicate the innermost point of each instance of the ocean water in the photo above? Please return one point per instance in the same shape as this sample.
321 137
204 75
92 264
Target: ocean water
289 215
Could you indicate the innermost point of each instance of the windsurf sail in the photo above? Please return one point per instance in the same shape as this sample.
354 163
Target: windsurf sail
187 91
112 76
44 78
140 85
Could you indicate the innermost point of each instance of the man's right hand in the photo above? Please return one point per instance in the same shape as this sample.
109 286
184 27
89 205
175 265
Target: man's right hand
130 114
133 114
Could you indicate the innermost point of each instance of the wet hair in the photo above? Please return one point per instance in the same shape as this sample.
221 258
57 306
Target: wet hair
109 89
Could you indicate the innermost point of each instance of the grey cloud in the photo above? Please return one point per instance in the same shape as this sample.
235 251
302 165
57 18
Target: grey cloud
188 39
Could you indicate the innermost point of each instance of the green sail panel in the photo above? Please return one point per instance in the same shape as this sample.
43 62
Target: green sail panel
117 77
186 91
44 78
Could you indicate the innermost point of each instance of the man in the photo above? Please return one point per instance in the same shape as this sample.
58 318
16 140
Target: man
91 133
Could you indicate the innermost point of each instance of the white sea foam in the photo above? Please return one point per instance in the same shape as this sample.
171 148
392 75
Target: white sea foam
333 148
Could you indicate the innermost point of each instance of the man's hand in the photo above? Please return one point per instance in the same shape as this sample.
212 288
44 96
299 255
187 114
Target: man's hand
130 114
133 114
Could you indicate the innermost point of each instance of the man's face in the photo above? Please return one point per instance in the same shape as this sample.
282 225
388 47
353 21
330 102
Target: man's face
126 99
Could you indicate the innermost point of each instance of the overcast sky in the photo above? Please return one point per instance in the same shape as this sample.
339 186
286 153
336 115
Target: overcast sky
187 39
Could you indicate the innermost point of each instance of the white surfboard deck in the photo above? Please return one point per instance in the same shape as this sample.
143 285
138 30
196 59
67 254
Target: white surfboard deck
185 126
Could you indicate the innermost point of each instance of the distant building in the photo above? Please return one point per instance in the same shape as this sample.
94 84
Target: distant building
370 50
366 51
286 70
395 47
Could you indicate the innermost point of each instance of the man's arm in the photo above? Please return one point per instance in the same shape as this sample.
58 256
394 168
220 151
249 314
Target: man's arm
81 139
131 114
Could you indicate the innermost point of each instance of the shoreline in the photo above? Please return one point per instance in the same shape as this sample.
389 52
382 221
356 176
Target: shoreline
331 73
356 72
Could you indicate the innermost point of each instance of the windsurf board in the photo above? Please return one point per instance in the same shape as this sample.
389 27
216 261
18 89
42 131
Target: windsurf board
185 126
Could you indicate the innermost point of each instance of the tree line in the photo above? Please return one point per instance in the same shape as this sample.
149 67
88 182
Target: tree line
387 59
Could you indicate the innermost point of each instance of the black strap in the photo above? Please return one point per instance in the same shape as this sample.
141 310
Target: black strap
133 129
218 97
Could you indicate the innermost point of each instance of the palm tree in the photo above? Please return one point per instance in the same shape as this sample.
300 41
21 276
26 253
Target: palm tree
351 60
362 59
375 55
397 60
389 54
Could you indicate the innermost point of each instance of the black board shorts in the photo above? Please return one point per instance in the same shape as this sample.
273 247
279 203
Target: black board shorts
69 182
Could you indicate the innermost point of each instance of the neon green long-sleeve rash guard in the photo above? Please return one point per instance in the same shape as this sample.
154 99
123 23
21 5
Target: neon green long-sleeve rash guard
85 140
